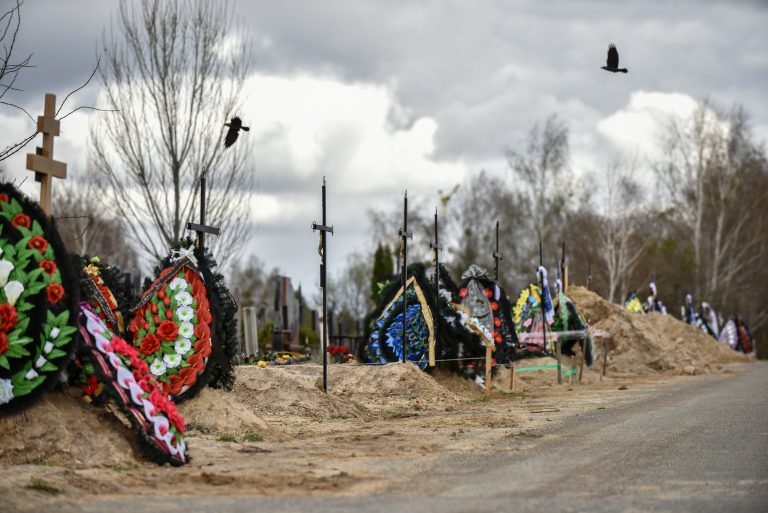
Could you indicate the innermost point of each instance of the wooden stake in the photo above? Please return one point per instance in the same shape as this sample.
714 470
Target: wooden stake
488 384
605 358
583 357
512 376
559 366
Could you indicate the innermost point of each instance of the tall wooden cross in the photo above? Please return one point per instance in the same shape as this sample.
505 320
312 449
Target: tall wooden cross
497 255
324 229
404 236
201 228
436 247
41 162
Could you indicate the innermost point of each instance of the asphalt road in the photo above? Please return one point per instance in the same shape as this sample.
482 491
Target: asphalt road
700 446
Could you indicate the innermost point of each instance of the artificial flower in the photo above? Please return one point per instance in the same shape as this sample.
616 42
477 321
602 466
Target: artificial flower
186 329
21 220
8 317
463 292
49 266
183 298
3 343
6 391
182 345
54 332
178 283
55 292
5 270
157 368
13 290
172 360
39 243
168 330
4 198
185 313
494 306
488 293
497 322
150 344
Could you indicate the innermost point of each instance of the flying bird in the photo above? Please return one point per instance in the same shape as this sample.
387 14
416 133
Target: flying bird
612 64
235 125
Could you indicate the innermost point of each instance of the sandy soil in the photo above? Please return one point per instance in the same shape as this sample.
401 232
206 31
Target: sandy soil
277 433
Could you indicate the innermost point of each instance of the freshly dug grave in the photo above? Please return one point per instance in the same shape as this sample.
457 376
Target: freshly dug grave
647 343
215 411
63 430
353 390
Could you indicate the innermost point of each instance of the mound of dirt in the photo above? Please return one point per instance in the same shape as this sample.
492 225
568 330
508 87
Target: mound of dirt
641 344
215 411
390 387
63 430
290 390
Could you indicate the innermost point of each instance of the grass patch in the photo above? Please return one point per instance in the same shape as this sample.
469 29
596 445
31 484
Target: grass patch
253 437
227 437
41 485
513 393
481 399
340 416
121 468
47 463
204 429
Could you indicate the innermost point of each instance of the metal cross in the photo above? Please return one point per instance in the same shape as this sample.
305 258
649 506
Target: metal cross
41 162
202 228
323 229
436 247
497 254
404 236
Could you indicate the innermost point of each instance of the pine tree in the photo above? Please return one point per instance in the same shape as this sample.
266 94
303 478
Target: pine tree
382 269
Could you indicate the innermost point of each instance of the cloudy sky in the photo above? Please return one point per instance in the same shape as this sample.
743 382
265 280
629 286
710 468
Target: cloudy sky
383 96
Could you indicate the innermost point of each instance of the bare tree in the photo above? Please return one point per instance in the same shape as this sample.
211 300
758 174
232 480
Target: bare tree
172 74
620 246
87 229
541 173
350 288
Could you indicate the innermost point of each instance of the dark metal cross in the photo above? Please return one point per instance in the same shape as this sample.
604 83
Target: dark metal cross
497 254
202 228
436 247
323 229
404 236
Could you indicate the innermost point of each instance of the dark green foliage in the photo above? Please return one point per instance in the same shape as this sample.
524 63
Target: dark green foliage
382 269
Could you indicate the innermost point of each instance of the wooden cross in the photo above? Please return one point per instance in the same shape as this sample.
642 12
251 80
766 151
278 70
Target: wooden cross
41 162
202 228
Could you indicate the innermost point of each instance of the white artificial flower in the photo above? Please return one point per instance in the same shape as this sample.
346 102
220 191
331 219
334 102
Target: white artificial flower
48 347
55 332
172 360
183 297
5 269
182 345
13 290
178 283
186 329
6 391
31 374
157 367
40 361
185 313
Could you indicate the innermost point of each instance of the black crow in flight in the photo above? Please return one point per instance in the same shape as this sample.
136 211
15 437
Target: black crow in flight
613 61
235 125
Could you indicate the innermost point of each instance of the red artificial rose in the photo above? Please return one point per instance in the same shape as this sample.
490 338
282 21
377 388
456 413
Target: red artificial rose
150 344
156 319
169 314
488 293
168 330
3 343
462 292
161 293
21 220
49 266
344 350
153 309
494 306
159 399
4 198
497 322
92 385
167 301
55 292
39 243
497 338
8 317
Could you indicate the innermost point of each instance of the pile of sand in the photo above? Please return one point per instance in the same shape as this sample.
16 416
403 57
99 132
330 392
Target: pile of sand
290 390
214 411
63 430
353 390
641 344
